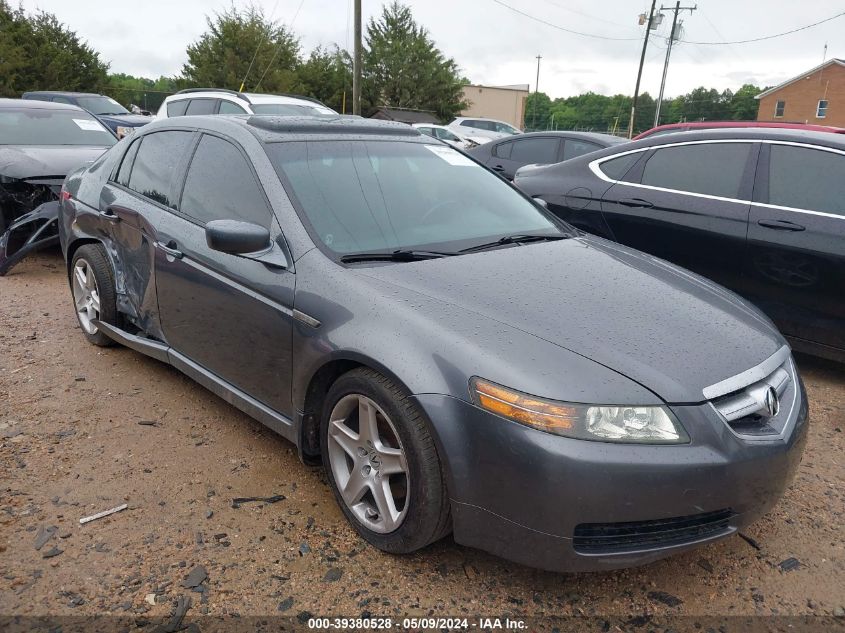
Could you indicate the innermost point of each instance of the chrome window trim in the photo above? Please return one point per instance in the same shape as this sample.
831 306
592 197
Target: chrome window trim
595 167
749 376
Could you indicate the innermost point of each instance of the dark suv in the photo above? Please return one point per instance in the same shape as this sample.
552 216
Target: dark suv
457 357
761 211
113 115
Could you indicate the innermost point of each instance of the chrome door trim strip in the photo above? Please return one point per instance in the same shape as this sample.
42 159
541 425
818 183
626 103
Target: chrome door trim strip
749 376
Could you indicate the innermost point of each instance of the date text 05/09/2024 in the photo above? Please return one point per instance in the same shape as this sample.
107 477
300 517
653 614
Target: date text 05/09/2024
425 623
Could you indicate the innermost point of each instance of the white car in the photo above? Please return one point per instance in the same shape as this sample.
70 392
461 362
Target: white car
488 129
441 132
218 101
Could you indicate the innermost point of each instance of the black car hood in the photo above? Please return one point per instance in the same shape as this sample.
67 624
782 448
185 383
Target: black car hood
126 120
33 161
660 325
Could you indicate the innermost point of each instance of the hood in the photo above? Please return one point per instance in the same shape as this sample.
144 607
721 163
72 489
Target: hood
671 331
32 161
126 120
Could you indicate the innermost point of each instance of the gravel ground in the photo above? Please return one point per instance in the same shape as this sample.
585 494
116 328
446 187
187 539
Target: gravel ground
84 429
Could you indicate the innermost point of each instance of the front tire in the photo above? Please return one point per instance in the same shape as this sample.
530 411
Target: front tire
92 285
382 463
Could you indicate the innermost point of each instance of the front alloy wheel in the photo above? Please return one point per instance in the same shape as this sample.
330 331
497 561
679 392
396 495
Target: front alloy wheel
368 463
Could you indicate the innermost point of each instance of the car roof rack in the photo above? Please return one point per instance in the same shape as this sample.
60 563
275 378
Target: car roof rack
226 90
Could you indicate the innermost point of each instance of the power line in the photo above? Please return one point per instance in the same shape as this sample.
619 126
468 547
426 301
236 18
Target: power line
586 15
767 37
279 46
565 30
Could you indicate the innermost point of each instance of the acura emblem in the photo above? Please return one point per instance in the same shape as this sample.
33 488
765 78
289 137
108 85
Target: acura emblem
771 402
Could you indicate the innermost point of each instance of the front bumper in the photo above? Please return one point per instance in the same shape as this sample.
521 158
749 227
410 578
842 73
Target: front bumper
520 493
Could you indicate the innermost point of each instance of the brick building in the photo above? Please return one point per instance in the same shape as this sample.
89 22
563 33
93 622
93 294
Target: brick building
816 96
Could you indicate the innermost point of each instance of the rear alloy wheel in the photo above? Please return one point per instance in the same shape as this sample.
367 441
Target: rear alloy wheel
92 285
382 463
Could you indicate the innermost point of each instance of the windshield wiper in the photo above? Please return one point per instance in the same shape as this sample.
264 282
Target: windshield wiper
400 255
514 239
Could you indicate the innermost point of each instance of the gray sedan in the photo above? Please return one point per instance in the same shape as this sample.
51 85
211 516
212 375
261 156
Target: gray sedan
457 358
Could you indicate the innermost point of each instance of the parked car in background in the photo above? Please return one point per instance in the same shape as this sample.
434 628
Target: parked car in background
458 358
117 118
443 133
540 148
672 128
761 211
479 129
40 142
196 101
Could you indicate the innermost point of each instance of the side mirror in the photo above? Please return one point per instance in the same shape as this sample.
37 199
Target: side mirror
235 237
541 202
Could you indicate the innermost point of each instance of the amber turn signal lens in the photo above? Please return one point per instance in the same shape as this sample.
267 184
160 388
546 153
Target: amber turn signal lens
541 414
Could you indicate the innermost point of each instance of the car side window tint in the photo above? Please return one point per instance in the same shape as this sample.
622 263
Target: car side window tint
806 178
535 150
221 186
503 150
616 168
426 130
62 100
177 108
573 148
445 135
201 106
714 169
126 164
227 107
156 164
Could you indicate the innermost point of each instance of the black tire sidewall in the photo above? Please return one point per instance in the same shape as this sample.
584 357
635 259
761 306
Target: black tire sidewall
423 522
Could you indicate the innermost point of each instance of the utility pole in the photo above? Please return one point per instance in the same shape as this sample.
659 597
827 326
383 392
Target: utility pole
536 88
640 72
673 35
356 62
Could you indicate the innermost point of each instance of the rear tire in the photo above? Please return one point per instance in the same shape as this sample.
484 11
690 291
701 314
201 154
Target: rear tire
400 462
94 297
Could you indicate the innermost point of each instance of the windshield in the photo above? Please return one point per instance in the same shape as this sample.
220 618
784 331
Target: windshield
52 127
101 105
507 129
291 109
365 196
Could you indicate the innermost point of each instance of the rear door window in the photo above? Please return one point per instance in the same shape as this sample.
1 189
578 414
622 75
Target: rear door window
714 169
157 163
126 164
573 148
503 150
177 108
805 178
227 107
616 168
220 185
535 150
201 106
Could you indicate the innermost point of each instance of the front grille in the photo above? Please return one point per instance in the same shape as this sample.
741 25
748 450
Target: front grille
612 538
745 411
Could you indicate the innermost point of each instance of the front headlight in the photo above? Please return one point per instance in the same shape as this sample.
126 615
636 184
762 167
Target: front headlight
123 130
603 423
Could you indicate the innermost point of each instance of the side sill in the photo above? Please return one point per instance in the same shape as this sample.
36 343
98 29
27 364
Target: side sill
151 348
234 396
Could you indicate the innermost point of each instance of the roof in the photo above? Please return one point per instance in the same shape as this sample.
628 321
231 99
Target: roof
35 104
405 116
514 87
598 137
692 125
63 92
746 133
830 62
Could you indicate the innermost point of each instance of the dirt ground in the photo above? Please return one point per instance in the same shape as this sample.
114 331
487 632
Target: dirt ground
84 429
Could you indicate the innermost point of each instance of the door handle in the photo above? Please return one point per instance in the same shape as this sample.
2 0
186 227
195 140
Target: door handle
109 215
780 225
170 249
636 203
498 168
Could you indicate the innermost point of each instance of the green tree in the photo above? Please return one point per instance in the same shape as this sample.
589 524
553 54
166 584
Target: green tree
243 46
538 107
141 91
37 52
327 76
403 68
744 106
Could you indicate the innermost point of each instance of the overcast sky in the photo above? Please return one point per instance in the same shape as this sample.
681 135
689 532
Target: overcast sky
494 45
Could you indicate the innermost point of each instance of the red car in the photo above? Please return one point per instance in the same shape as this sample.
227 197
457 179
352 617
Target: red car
671 128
